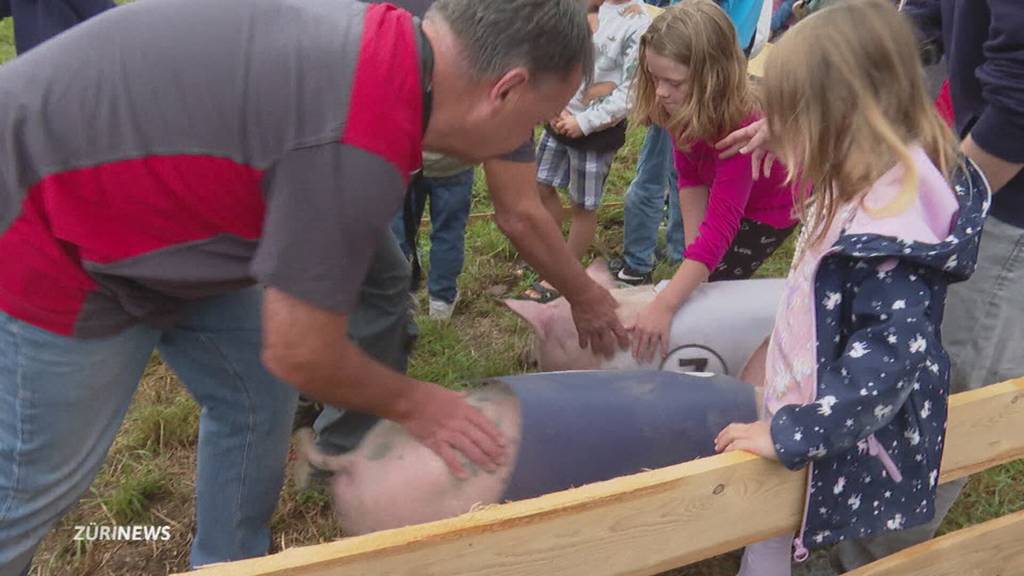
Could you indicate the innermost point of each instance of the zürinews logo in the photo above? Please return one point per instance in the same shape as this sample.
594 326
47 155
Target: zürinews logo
136 533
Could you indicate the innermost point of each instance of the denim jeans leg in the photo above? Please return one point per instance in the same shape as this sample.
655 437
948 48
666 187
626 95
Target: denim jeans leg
420 193
62 401
450 199
244 427
674 238
645 203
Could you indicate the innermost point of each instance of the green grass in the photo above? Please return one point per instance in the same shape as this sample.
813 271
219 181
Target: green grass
6 40
130 501
171 423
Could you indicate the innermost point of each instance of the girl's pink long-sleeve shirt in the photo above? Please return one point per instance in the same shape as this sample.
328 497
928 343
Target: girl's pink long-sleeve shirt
733 194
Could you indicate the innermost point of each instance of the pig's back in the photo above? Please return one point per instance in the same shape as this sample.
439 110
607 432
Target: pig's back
582 427
721 324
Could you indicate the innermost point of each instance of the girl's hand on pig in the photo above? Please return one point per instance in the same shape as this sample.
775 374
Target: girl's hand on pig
443 421
650 331
755 438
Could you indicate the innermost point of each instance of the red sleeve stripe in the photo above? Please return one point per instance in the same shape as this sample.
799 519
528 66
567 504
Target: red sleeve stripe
150 203
385 114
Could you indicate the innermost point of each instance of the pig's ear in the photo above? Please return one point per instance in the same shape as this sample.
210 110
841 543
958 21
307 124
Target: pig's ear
538 315
598 272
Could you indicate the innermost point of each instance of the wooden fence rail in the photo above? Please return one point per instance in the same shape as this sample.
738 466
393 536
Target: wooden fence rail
641 524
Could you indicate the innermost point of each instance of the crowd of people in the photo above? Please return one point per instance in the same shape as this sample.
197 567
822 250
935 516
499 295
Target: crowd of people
238 186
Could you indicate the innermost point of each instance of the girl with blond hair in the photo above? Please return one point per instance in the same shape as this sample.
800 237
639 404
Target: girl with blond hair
693 82
855 376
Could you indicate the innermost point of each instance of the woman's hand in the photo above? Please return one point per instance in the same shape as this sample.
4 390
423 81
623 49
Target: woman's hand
650 331
755 438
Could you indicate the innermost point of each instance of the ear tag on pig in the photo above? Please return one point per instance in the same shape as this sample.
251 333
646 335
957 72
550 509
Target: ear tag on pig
691 358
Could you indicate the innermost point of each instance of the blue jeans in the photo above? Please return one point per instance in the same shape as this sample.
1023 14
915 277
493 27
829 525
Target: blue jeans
62 401
449 210
645 204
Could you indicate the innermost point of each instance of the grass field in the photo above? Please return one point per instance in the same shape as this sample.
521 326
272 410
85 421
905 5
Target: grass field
148 476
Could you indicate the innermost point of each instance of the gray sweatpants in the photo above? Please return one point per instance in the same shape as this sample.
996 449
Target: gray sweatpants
983 332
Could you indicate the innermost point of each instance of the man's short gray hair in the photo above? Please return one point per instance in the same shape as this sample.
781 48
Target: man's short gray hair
550 38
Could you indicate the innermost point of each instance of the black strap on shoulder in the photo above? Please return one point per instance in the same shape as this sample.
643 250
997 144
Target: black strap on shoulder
410 215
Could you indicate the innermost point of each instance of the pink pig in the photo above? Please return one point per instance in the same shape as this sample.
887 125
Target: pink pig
716 330
391 480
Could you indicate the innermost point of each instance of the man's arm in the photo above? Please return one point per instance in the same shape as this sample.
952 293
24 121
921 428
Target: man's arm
996 170
521 216
996 141
308 347
327 206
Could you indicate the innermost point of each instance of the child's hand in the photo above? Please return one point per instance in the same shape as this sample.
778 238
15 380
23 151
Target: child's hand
568 126
557 121
755 438
650 331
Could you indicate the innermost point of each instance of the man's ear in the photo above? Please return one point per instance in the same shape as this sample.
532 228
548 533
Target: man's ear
511 85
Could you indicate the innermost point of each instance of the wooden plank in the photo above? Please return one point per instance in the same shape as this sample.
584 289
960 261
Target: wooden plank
992 548
633 525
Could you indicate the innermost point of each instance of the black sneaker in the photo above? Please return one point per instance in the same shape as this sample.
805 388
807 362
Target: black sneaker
632 277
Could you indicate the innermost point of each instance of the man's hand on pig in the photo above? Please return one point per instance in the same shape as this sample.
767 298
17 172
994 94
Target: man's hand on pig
755 438
597 323
651 331
441 420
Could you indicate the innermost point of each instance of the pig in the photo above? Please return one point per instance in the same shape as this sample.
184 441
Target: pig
715 330
391 480
562 430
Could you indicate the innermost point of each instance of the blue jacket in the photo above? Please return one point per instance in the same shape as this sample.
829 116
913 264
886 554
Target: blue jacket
873 436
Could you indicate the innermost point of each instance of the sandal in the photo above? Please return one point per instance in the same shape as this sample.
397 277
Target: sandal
540 294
